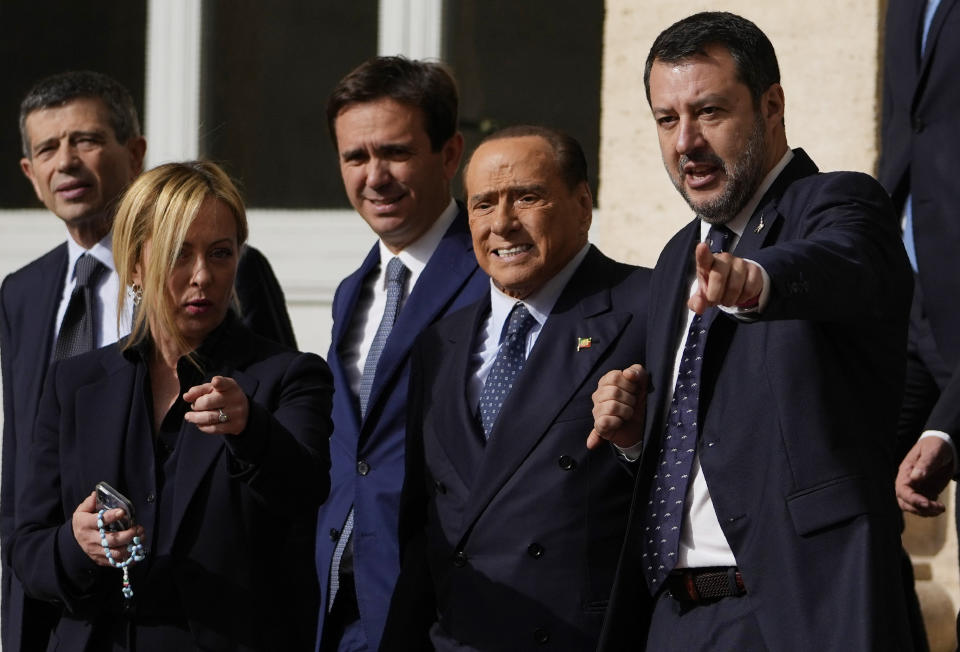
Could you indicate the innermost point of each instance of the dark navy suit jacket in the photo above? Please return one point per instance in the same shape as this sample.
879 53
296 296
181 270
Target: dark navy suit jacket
29 299
235 498
450 280
798 414
921 155
511 543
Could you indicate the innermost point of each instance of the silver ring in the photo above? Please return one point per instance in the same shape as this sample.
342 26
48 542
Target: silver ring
223 418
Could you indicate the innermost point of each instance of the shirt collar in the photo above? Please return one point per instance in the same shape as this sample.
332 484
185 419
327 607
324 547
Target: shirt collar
416 255
540 303
739 222
102 251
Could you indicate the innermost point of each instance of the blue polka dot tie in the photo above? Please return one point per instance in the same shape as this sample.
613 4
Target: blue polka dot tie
663 515
506 367
396 277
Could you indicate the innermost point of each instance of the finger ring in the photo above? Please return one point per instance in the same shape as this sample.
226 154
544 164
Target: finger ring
223 418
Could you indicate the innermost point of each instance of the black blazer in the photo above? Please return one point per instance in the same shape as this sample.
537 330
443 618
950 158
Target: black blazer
512 543
798 414
236 498
29 299
920 154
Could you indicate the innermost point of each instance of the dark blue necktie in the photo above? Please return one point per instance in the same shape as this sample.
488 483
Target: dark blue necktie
506 366
78 330
668 489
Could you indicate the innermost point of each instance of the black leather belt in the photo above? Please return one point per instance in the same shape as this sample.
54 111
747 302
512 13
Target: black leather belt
697 585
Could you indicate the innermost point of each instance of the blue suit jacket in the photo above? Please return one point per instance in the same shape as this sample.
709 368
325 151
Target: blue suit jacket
451 279
511 543
798 414
234 498
29 299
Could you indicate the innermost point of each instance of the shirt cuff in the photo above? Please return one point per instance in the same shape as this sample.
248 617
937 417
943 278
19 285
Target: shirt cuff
631 454
939 434
749 313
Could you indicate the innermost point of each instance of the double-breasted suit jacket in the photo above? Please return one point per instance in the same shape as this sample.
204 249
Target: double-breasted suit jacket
230 501
29 299
797 416
511 543
368 453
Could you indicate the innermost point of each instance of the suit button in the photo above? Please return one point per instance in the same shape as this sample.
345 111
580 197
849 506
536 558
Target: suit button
440 487
460 559
334 534
362 467
567 463
151 497
535 550
541 636
918 126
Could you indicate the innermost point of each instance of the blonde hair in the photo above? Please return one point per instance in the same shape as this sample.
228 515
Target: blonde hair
160 206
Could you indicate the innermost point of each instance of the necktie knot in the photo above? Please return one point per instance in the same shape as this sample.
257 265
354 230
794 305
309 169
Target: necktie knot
520 323
719 238
87 270
396 272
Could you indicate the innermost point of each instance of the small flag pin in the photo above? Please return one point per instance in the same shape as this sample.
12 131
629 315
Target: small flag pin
759 226
584 343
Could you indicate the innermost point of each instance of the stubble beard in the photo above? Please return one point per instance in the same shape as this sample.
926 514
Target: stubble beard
743 178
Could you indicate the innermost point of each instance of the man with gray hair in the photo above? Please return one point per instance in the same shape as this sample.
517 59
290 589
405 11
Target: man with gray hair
82 147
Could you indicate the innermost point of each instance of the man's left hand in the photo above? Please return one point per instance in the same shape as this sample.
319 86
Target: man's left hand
923 474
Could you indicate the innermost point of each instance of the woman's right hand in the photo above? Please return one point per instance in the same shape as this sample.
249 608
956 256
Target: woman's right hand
87 534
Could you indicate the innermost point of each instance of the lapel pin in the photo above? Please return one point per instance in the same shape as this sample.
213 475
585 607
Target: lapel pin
759 226
584 343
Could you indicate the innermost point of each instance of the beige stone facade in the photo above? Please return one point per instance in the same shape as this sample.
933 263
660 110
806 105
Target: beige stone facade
830 54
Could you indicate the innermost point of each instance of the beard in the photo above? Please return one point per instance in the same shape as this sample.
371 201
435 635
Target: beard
743 178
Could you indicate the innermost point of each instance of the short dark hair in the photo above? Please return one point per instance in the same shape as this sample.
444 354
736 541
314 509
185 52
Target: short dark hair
750 48
566 149
425 85
64 87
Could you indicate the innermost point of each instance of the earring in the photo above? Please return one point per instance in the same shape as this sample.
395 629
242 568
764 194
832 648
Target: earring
137 293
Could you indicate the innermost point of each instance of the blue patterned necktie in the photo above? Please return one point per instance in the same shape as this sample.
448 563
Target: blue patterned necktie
396 276
78 330
668 489
506 366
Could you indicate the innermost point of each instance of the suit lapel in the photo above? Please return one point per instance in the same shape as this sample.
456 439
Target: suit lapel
448 269
41 323
109 420
466 449
583 310
936 26
669 312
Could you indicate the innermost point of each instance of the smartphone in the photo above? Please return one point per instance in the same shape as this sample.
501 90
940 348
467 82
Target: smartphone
110 498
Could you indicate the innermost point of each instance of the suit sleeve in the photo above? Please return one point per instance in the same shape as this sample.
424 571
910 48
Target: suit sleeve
413 605
284 452
262 305
43 550
945 415
842 259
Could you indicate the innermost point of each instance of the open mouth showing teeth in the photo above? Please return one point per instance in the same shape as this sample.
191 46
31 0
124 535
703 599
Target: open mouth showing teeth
512 251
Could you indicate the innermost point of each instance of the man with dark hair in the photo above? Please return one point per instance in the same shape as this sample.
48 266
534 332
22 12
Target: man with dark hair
764 515
394 126
509 526
81 148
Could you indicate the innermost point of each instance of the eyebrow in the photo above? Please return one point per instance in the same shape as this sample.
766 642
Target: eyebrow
387 149
537 188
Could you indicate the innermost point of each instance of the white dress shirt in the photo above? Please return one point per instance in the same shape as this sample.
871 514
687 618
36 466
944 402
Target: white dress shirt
108 328
373 296
487 342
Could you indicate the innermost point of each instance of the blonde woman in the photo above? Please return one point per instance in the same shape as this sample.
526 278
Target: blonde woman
218 438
